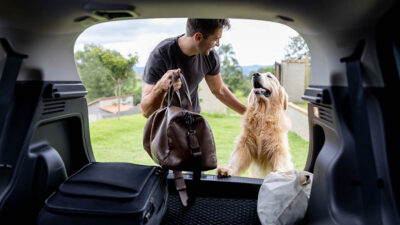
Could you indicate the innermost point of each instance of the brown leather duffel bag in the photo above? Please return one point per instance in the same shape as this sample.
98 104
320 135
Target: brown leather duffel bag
178 139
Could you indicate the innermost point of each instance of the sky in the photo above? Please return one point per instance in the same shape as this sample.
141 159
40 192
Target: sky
254 42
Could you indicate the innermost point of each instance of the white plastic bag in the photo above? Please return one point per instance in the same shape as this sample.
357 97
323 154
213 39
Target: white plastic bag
283 197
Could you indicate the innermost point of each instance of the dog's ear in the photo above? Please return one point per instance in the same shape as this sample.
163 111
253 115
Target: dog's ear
284 98
285 101
250 98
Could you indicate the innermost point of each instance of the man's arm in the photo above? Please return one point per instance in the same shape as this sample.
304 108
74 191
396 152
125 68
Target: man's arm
152 98
153 95
219 89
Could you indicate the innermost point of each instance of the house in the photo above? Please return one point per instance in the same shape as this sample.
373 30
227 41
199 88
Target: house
293 76
107 107
208 102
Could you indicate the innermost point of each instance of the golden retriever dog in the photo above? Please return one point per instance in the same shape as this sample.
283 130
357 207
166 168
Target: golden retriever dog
263 144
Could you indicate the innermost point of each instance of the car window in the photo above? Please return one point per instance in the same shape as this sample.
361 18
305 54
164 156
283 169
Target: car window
248 47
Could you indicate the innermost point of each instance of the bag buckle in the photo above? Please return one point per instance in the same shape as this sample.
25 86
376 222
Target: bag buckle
179 181
194 143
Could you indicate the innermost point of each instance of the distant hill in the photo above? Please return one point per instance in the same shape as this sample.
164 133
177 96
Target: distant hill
138 69
246 69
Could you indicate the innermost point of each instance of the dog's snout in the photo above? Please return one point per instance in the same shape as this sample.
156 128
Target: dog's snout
256 74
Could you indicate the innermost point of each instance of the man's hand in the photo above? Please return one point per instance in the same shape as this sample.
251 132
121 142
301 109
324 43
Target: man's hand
166 80
153 95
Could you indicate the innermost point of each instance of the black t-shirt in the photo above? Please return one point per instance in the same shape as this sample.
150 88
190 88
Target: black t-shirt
167 55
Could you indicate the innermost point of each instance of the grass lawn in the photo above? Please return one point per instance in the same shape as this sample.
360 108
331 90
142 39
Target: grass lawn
302 105
121 141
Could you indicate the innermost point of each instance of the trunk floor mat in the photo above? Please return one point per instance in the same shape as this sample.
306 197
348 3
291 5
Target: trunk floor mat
212 210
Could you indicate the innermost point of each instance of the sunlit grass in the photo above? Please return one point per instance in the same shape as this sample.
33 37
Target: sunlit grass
121 140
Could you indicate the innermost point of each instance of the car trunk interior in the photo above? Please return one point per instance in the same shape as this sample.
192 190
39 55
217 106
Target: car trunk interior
44 133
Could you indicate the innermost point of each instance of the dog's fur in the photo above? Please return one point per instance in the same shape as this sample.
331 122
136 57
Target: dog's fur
263 144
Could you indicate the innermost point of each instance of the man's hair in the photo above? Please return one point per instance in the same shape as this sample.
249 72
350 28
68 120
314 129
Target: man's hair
205 26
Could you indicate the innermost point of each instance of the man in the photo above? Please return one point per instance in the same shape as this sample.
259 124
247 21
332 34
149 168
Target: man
192 55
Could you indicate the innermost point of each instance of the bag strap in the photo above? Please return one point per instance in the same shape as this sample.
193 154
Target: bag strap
185 100
181 187
185 89
194 146
196 182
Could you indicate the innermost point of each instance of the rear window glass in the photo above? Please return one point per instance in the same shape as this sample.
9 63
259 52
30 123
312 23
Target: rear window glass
248 47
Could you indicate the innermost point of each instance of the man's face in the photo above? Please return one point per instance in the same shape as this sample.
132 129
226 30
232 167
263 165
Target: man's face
207 44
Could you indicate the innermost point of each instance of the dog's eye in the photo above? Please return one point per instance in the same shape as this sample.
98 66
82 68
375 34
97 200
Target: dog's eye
269 76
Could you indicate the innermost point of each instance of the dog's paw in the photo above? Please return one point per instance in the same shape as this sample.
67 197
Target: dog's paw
224 172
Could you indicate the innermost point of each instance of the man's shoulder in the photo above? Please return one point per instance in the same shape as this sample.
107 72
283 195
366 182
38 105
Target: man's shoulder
213 56
213 53
166 44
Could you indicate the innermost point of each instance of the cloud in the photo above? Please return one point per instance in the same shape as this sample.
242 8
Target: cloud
255 42
128 30
142 46
258 42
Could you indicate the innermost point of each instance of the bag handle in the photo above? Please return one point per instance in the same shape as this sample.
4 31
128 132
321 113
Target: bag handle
186 100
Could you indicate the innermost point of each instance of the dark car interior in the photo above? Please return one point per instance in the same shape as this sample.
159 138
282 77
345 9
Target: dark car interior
354 87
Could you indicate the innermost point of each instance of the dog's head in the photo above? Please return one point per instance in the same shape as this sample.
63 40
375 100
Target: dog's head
266 88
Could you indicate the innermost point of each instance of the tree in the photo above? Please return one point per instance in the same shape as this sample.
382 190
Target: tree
231 72
138 90
119 70
270 69
297 48
92 73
